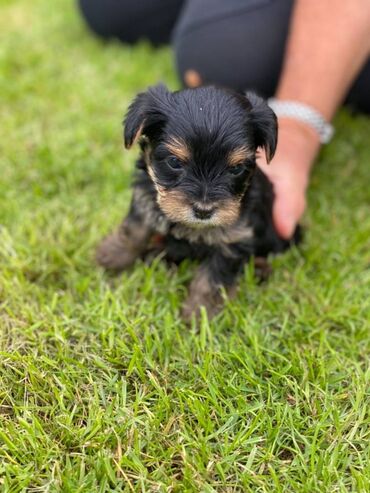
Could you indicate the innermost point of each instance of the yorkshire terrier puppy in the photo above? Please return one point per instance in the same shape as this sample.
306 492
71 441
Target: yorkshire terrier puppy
198 192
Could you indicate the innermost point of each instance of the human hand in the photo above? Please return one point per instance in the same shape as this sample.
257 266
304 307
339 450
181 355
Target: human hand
289 173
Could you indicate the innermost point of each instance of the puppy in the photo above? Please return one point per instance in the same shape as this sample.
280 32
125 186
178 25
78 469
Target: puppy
198 192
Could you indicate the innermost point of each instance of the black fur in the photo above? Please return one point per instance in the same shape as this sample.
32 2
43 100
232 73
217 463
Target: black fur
209 123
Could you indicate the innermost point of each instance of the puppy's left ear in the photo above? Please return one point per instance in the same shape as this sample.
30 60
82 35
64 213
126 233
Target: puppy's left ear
146 114
264 123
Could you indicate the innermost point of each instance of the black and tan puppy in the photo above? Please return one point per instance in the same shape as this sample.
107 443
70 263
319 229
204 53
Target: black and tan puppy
198 192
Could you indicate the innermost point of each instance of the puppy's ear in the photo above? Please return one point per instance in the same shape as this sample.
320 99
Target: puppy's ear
264 122
147 112
134 120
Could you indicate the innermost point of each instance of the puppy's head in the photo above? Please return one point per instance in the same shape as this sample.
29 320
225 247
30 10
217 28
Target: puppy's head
200 148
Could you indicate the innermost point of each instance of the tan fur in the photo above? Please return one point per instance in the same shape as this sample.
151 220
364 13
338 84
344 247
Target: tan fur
152 176
178 148
239 155
173 203
228 212
137 135
173 207
176 207
147 155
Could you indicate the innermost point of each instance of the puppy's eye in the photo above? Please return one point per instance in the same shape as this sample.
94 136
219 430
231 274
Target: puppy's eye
174 163
236 170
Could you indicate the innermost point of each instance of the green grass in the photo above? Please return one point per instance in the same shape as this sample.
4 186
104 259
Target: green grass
102 387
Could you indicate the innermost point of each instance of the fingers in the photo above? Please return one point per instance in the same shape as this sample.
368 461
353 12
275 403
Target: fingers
288 208
289 173
289 182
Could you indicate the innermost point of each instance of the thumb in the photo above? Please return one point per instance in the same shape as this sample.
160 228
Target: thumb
288 208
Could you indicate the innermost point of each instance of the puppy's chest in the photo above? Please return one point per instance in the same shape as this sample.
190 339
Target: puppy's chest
237 233
154 218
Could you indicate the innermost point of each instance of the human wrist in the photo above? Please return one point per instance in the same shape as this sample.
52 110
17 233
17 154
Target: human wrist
297 110
298 139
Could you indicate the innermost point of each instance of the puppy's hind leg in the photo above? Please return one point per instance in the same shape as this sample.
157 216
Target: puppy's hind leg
119 250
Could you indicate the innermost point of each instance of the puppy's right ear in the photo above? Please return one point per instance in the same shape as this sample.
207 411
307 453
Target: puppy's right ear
134 121
148 110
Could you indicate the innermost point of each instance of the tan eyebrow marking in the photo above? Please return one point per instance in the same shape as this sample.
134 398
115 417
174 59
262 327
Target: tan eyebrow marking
178 148
239 155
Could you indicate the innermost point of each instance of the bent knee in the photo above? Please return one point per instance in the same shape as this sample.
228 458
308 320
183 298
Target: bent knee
234 50
130 20
96 17
107 20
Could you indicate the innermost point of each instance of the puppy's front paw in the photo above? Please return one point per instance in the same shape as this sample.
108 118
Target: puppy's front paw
212 303
203 292
262 269
114 255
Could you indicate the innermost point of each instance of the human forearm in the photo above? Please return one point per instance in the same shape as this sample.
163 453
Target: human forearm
328 44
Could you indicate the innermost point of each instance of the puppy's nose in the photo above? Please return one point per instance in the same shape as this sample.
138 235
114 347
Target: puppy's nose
203 212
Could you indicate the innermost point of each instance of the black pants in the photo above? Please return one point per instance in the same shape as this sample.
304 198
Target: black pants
236 43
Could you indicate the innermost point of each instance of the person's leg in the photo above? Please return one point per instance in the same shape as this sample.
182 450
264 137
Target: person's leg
131 20
240 44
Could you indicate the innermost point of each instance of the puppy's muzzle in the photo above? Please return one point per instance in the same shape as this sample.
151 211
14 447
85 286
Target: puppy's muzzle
203 212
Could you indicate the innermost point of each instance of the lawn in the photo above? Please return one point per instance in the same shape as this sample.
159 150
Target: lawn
102 387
